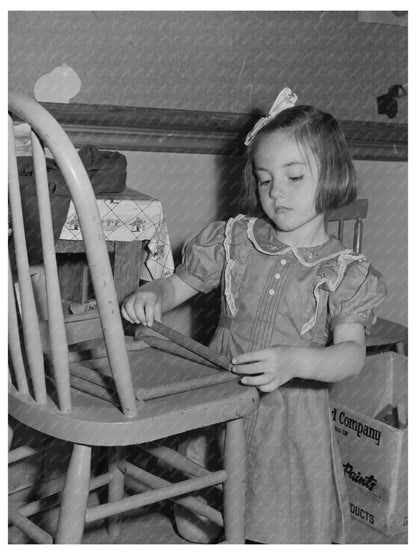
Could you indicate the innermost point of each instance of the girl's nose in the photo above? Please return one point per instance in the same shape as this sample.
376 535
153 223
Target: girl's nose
276 191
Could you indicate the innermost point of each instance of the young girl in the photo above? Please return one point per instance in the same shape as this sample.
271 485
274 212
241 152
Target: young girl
296 307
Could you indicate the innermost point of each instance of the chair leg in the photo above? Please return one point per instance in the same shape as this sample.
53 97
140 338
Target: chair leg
115 488
400 348
234 486
71 520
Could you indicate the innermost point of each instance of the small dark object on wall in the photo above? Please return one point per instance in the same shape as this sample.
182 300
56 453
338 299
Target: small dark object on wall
387 103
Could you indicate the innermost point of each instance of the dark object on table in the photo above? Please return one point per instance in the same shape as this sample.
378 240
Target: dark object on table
107 172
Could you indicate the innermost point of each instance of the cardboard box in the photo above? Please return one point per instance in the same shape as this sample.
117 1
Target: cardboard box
374 453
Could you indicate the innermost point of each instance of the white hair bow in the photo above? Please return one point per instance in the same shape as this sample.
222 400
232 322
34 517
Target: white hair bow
285 99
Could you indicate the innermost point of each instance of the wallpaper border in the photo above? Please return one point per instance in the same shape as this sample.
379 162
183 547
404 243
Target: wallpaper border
201 132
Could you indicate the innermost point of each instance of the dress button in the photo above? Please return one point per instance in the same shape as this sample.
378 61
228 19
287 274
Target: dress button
310 255
283 261
271 291
276 276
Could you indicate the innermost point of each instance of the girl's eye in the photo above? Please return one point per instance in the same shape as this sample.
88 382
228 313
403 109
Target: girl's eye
296 177
264 182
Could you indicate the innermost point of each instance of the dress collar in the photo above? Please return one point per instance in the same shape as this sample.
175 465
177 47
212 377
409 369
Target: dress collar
263 236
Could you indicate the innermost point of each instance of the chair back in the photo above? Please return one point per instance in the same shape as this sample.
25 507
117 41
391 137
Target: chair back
27 360
356 211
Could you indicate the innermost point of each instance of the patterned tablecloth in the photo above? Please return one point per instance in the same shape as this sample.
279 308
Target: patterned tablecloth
131 216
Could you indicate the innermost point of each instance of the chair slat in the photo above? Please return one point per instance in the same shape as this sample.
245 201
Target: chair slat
30 324
356 209
15 348
92 389
147 393
56 325
191 345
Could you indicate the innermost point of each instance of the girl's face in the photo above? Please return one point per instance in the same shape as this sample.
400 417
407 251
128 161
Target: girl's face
287 181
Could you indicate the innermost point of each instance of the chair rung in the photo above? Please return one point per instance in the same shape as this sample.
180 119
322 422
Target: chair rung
175 459
32 530
27 451
155 482
44 502
148 497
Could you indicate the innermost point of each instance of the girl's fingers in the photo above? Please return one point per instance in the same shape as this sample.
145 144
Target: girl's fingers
153 312
254 368
148 313
267 388
262 379
147 316
138 315
127 311
252 356
133 312
157 313
264 382
142 308
125 315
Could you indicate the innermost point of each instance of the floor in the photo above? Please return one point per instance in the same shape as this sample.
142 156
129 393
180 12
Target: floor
154 525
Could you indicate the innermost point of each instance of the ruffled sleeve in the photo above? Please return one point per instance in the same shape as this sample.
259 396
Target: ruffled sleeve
361 290
203 258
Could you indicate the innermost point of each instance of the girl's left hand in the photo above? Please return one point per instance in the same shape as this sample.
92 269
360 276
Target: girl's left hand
267 369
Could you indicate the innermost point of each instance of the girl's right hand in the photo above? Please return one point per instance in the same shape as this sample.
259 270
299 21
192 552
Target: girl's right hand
143 306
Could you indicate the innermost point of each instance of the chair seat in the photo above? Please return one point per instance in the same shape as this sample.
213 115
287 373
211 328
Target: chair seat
386 332
94 421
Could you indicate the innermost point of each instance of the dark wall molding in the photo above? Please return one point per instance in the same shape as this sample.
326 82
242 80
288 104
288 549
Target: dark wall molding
189 131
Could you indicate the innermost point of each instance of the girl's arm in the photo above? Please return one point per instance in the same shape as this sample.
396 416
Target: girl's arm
149 301
269 368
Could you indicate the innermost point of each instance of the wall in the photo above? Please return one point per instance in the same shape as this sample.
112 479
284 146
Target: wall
225 61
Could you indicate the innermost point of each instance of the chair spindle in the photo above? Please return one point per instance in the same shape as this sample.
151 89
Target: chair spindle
56 324
31 332
15 349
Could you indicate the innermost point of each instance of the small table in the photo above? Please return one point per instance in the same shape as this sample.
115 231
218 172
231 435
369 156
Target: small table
137 239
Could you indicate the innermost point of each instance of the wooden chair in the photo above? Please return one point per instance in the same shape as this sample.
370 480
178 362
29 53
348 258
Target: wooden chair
114 392
384 333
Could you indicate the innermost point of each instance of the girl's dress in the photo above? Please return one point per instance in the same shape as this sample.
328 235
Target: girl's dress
274 294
